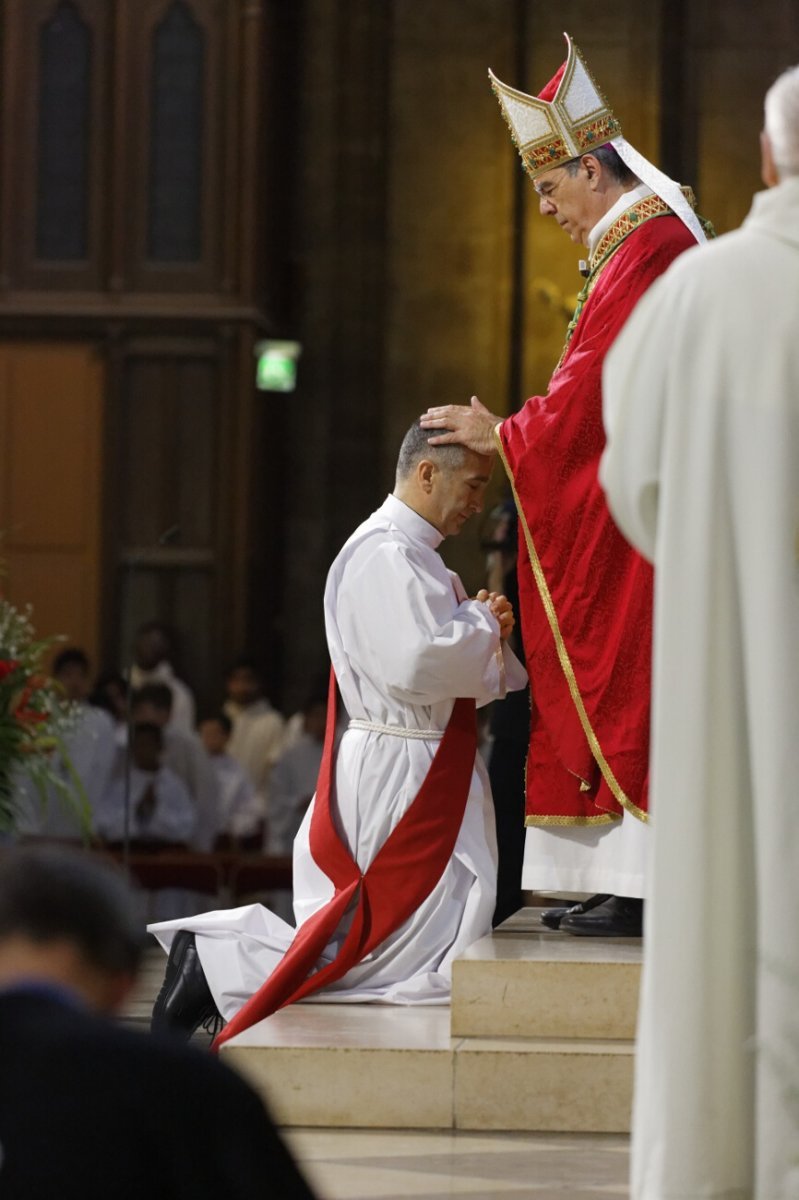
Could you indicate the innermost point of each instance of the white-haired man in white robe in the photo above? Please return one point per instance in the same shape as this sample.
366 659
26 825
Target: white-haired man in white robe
404 641
702 474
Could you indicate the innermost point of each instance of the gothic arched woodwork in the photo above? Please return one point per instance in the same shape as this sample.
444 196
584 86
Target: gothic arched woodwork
62 141
123 161
176 169
54 156
175 176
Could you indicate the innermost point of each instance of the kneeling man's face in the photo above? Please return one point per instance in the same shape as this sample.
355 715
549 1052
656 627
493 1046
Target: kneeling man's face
458 492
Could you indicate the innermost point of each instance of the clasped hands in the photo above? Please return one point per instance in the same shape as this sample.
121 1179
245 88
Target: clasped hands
500 607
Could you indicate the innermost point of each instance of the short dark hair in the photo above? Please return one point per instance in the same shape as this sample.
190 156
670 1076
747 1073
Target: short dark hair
415 446
166 631
148 730
99 697
73 656
159 695
245 663
50 893
221 719
611 160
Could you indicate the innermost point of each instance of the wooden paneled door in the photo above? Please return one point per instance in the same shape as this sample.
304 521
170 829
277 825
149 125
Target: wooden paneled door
51 437
170 502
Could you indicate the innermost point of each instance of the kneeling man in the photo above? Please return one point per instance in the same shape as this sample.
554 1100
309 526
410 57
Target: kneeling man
394 865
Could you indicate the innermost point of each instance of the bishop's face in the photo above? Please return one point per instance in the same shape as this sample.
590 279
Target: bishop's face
570 199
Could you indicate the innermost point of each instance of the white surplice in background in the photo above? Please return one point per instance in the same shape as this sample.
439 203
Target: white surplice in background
702 475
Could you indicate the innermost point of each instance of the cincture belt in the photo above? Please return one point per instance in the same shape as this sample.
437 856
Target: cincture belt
401 731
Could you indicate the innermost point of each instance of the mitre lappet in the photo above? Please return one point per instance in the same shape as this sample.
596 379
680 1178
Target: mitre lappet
570 117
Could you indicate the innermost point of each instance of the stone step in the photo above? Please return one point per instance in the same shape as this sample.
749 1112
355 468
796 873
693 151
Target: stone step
381 1066
538 1084
525 980
350 1065
539 1037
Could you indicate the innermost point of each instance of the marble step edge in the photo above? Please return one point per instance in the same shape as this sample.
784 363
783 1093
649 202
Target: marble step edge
544 999
497 1084
457 1045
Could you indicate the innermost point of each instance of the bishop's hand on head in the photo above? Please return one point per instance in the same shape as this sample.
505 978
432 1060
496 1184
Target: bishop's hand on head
471 426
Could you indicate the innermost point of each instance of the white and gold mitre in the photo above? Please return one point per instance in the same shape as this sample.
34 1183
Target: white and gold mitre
568 118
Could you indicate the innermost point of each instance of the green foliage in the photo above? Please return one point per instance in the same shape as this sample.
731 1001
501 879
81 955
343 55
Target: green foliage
34 721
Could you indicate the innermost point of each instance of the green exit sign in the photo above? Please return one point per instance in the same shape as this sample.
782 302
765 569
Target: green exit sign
276 365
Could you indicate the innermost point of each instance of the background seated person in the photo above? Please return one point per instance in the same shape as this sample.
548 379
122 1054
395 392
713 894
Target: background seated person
241 816
91 748
258 729
184 754
294 777
161 809
153 655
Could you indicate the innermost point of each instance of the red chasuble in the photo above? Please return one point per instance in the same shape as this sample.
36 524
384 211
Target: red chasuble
402 875
585 595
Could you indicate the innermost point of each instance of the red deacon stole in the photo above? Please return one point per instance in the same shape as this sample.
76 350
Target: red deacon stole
403 874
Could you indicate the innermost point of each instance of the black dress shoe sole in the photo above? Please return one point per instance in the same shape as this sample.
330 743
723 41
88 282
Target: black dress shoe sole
553 916
624 920
605 931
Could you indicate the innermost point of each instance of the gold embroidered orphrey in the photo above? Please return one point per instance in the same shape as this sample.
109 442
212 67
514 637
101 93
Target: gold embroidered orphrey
574 688
630 220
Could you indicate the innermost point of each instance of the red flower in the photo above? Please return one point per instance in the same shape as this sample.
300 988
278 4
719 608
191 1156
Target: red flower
29 716
22 710
7 667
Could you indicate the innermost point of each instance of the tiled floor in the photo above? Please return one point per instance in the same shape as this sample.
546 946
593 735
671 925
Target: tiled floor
395 1165
368 1164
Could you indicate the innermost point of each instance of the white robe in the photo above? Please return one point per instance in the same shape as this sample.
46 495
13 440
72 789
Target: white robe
702 474
587 858
404 642
240 808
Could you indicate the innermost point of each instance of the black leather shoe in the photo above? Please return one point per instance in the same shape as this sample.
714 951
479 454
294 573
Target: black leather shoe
619 916
185 1001
553 916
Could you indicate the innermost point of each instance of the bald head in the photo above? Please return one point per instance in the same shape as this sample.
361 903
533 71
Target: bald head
782 123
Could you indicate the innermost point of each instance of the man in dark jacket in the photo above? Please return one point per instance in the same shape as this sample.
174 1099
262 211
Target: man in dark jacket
89 1109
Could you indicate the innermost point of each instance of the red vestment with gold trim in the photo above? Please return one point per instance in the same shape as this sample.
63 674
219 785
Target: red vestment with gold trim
587 620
